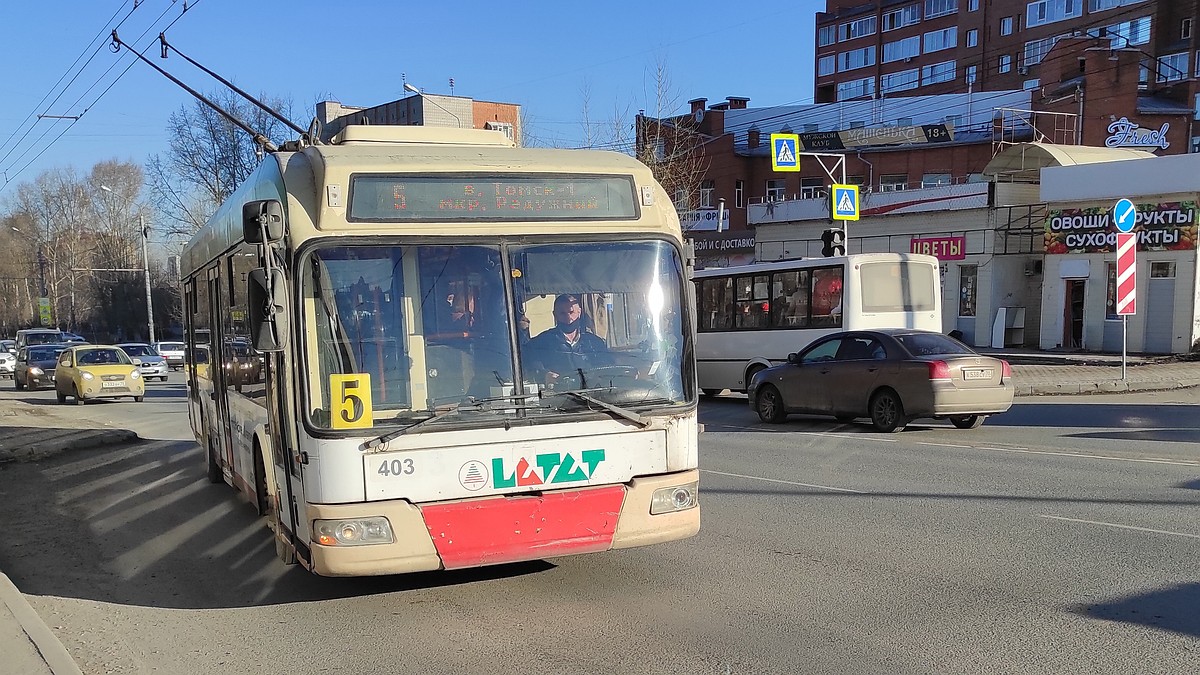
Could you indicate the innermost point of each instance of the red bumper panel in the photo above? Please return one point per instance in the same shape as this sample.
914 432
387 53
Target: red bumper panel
510 529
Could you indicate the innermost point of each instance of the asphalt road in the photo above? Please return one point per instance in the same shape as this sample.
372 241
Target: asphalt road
1060 537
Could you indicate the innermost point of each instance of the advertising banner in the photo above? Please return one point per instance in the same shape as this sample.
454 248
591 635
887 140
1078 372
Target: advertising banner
1167 226
867 136
942 248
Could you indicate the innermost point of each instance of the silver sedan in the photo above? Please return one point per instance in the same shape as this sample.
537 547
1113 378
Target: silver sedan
890 375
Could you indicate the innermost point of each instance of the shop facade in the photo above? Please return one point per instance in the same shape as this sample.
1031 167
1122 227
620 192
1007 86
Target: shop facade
1079 294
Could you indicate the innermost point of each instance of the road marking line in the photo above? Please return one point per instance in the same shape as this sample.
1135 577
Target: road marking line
1175 462
785 482
1123 527
857 437
943 445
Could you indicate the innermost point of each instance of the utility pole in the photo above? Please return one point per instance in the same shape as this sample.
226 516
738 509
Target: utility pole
146 266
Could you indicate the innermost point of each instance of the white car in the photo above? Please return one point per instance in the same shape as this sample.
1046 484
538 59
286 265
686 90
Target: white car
150 364
8 364
172 352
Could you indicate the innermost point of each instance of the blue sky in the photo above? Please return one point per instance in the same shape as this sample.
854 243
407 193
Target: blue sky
539 54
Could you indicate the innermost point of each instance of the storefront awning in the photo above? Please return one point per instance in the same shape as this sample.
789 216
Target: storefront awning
1024 162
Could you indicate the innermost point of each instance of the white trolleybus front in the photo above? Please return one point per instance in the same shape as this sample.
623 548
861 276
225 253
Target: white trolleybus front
420 349
752 316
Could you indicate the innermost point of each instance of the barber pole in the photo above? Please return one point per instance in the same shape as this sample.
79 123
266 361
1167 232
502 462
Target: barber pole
1126 273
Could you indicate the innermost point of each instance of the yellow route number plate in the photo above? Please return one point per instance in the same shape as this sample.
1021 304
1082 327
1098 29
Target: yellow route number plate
351 401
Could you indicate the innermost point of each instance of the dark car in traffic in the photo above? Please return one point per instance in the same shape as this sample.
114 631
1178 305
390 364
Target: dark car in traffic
891 376
35 366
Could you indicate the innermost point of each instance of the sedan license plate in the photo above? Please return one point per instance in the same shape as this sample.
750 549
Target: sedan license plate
113 385
977 374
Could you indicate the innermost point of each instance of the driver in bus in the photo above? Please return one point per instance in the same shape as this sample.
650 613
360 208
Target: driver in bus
568 347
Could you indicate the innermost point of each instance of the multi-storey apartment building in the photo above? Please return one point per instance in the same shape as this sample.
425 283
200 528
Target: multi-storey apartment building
921 47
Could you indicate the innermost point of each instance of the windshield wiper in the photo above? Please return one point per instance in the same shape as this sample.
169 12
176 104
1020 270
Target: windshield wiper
391 435
614 410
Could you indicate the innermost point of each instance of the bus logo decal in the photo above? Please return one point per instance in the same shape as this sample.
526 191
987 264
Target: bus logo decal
473 475
547 468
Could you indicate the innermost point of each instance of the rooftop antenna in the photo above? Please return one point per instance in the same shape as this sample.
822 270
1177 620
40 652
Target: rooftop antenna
452 86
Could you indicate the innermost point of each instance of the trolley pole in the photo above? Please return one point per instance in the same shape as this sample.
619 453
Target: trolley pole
146 267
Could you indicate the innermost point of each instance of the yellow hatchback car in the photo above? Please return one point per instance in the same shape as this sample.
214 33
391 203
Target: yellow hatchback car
89 372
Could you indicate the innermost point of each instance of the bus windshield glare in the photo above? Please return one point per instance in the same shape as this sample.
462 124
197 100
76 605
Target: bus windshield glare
439 327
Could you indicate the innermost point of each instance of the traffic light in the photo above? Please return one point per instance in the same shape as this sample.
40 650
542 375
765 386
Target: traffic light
834 242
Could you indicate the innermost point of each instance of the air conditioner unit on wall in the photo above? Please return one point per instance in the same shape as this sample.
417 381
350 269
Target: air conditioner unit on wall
1022 70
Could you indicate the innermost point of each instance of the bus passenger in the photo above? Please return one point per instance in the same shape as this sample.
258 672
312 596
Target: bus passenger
568 347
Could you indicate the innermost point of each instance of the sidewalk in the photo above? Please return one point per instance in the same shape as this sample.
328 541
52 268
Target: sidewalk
1048 373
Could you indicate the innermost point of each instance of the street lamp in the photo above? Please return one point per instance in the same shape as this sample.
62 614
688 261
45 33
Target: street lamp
418 92
145 231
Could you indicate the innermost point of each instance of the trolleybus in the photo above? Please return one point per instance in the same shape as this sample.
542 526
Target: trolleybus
363 320
752 316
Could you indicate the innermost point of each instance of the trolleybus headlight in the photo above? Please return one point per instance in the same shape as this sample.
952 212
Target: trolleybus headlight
354 531
678 498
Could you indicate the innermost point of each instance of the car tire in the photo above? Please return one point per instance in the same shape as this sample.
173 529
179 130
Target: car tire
62 398
968 421
711 393
769 405
215 475
139 399
887 412
17 383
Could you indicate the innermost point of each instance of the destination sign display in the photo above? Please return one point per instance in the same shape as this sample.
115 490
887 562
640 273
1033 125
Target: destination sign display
388 198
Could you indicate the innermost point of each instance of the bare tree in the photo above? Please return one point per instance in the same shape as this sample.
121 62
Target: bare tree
208 158
670 143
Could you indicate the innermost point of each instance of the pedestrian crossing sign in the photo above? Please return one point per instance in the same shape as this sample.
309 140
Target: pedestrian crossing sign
845 202
785 155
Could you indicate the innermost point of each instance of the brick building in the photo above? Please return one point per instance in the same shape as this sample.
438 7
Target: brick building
423 109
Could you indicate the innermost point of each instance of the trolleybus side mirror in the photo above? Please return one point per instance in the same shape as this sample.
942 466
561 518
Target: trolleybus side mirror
268 309
264 216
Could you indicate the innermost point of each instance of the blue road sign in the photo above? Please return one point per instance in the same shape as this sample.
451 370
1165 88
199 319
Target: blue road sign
1124 215
845 202
785 152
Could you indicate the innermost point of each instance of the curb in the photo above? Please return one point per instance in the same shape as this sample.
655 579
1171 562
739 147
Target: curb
1101 387
48 645
84 441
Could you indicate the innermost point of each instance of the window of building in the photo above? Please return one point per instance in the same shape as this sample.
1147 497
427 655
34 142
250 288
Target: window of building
1036 50
1031 84
893 182
937 40
1128 33
1110 308
1006 26
973 5
938 72
953 120
811 188
1162 269
899 18
1048 11
739 193
681 200
1185 29
826 35
810 128
905 79
968 278
660 149
935 8
504 127
856 58
902 49
935 179
775 189
973 38
972 74
1173 67
827 65
904 122
857 124
1101 5
856 29
706 194
856 88
1005 63
856 180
